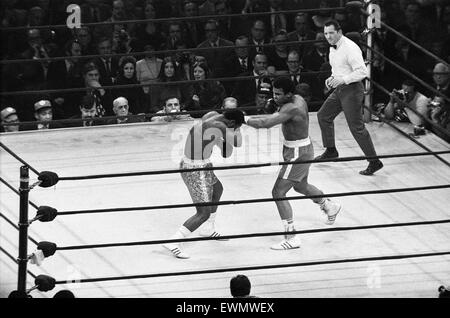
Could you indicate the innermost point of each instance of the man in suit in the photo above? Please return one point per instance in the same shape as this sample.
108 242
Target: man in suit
302 32
107 66
63 74
238 63
121 110
215 58
317 56
245 91
94 11
258 37
194 30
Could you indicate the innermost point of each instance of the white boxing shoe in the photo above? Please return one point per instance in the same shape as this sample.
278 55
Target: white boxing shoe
331 209
287 244
209 231
176 251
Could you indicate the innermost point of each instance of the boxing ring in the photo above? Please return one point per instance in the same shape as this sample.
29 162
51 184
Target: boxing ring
366 262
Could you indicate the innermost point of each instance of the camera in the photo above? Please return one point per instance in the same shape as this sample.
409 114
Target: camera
436 102
400 94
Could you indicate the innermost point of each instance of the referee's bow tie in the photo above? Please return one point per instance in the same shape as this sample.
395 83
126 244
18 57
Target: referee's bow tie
334 46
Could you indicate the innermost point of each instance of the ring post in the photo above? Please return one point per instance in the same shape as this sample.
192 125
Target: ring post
373 22
23 228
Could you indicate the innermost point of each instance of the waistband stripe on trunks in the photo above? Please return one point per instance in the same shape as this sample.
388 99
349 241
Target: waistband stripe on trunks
297 143
196 162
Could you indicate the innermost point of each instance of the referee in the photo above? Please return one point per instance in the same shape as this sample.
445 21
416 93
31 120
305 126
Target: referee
348 71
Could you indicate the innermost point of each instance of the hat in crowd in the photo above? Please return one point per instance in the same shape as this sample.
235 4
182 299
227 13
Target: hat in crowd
265 88
120 101
8 111
42 104
87 102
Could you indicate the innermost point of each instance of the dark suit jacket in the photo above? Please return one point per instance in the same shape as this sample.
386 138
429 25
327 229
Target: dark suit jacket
59 78
312 61
216 58
106 78
104 12
301 48
233 68
245 92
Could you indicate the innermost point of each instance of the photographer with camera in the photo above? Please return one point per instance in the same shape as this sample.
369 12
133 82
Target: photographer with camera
402 103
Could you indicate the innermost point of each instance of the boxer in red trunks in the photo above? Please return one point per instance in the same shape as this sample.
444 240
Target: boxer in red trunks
293 117
214 129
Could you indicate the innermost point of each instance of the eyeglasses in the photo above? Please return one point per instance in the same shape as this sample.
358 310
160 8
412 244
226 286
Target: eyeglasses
293 62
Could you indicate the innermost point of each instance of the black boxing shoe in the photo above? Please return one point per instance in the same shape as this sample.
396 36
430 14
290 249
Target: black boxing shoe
329 153
373 167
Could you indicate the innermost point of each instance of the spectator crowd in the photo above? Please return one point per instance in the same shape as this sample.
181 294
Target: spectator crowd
128 67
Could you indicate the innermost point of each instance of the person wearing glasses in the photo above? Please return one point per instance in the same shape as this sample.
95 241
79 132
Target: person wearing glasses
215 57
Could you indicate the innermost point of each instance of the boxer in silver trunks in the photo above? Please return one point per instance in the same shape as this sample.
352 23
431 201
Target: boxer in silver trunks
292 114
214 129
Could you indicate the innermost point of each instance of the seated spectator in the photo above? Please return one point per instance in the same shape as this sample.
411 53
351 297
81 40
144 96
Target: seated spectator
278 55
441 77
171 105
150 66
107 66
238 63
205 95
229 103
64 294
146 97
302 32
263 94
91 78
121 109
170 72
43 112
214 57
127 76
240 287
317 55
8 115
84 37
245 90
64 74
149 33
193 29
414 100
88 113
174 36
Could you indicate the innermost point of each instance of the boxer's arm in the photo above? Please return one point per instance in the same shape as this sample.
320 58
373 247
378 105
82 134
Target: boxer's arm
280 117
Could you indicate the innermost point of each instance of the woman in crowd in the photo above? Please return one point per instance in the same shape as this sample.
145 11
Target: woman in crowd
127 76
170 72
206 95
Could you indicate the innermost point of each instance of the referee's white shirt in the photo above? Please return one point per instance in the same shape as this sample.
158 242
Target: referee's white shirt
347 61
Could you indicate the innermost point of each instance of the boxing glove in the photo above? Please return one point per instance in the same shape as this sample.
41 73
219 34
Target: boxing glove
270 107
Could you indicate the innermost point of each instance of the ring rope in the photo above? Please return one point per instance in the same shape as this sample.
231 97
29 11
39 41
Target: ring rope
417 46
429 121
412 139
2 145
141 21
158 52
246 166
261 267
426 85
182 82
250 235
15 261
16 227
236 202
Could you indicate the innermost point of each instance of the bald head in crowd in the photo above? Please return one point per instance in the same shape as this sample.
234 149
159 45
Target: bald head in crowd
441 75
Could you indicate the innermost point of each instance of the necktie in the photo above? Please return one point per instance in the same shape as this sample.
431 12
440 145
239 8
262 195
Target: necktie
243 64
277 23
107 67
